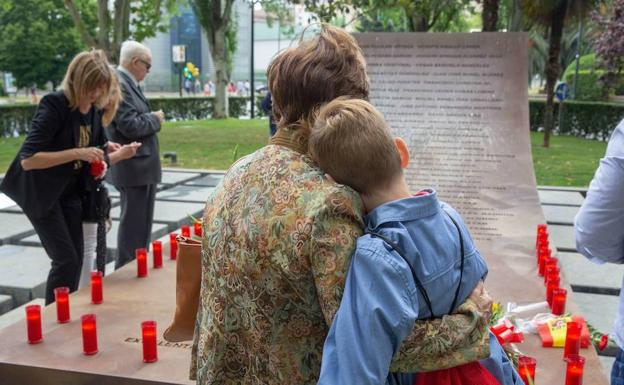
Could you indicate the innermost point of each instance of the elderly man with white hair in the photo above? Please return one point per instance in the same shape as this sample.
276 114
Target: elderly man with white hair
138 177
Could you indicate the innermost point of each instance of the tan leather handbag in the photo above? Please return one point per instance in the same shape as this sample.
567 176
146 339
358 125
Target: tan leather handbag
188 281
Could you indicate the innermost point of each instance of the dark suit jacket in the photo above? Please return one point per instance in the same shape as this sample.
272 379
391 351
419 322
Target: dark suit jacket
55 127
134 122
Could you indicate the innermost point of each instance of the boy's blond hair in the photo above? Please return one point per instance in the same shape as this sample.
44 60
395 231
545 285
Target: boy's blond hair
351 142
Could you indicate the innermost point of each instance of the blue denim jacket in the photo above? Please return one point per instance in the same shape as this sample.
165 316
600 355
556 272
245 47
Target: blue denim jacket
381 302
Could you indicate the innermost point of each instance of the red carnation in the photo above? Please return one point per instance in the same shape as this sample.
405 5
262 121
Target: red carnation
604 341
97 168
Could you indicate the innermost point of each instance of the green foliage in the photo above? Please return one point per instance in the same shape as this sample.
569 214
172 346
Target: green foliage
151 16
586 63
37 40
593 120
15 119
589 85
395 15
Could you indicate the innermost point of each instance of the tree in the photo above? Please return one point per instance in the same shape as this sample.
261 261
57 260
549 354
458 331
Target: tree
113 26
215 16
37 40
490 15
610 44
552 14
418 16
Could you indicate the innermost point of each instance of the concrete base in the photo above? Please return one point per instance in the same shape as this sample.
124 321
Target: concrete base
23 272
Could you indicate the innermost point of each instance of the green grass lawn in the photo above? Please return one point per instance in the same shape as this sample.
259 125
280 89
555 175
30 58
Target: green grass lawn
210 144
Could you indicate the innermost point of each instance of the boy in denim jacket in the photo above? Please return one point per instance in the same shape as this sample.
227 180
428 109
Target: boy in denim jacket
416 259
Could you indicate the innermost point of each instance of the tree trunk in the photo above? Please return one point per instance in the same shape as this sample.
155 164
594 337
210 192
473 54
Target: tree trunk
490 15
218 51
552 67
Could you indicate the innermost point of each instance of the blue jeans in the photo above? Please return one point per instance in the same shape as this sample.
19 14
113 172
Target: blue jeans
617 373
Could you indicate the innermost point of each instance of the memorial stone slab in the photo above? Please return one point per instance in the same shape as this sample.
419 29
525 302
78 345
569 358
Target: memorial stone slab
6 303
210 180
581 272
14 209
128 301
174 177
172 213
19 313
158 230
598 310
197 194
460 102
14 227
5 201
560 215
562 237
568 198
23 272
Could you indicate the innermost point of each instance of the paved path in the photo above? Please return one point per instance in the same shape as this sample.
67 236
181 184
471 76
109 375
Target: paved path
24 264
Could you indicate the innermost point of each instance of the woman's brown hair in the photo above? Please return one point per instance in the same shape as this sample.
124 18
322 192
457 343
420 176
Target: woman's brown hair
90 71
303 78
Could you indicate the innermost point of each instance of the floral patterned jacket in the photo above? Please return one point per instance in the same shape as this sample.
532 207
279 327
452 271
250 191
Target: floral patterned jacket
277 242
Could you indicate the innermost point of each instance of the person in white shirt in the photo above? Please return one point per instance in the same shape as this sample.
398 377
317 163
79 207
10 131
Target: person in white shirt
599 227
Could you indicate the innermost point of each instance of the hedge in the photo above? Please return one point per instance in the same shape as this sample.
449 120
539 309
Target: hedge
15 119
593 120
590 120
589 86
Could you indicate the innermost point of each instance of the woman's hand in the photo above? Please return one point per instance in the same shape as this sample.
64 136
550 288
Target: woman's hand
482 299
89 154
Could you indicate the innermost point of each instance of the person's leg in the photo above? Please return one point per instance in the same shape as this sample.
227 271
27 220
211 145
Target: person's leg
89 231
135 227
60 232
617 372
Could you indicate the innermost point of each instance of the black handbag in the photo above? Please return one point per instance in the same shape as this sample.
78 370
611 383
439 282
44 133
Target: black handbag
96 203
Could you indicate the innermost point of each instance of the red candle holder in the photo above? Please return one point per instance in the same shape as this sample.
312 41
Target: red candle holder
197 226
551 271
186 231
173 246
148 332
573 339
574 370
141 258
559 301
89 334
526 369
96 287
33 324
544 259
157 254
61 298
552 284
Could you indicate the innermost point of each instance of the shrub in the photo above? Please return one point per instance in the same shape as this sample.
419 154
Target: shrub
586 63
15 119
589 86
591 120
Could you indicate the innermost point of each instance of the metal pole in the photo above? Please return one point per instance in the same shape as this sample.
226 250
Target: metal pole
180 67
252 90
578 57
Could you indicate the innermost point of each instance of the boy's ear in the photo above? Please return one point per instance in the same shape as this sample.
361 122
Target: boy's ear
401 147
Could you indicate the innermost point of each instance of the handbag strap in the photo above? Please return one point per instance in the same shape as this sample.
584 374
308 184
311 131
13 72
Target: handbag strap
419 285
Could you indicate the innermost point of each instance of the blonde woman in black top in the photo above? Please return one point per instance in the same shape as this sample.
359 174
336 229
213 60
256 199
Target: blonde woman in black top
50 173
